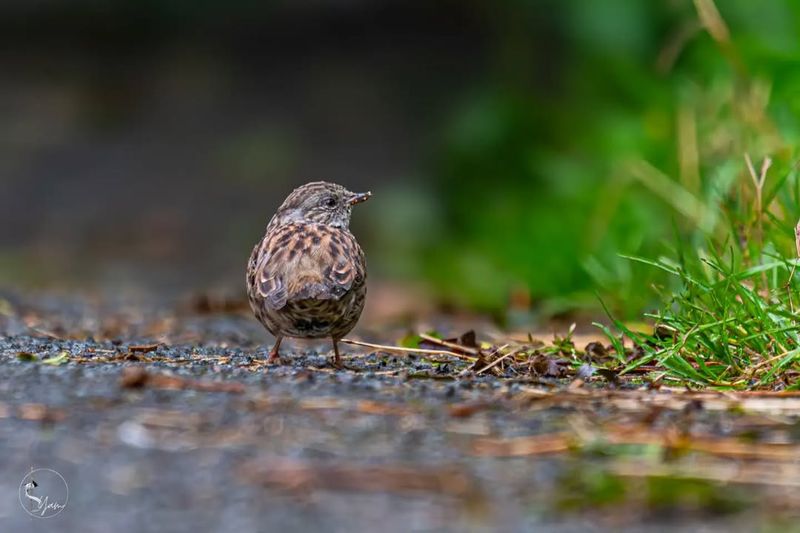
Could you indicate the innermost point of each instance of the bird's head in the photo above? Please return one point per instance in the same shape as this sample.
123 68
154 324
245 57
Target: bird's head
320 202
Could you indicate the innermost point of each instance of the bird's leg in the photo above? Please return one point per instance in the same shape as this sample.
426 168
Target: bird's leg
274 356
337 361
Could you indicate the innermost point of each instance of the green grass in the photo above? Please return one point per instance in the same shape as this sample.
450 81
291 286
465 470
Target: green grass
728 317
556 193
646 119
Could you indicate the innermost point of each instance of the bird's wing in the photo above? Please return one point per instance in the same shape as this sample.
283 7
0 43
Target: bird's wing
308 261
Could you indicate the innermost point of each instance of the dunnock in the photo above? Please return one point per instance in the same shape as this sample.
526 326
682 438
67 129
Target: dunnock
306 277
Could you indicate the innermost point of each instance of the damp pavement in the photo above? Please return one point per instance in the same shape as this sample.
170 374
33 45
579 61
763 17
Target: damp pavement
166 418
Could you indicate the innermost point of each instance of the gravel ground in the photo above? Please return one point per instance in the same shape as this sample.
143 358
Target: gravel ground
172 422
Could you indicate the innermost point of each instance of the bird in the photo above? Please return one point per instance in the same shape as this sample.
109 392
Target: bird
306 278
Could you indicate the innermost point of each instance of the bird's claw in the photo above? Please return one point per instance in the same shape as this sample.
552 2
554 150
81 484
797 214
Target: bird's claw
337 364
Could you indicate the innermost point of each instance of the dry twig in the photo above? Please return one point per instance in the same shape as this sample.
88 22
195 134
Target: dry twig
401 349
448 344
499 359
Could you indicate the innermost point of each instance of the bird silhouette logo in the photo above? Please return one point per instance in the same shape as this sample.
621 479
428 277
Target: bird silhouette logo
43 493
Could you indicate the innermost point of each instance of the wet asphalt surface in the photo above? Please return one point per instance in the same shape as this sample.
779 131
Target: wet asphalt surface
173 423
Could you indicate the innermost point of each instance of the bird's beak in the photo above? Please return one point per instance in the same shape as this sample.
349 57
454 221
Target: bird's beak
357 198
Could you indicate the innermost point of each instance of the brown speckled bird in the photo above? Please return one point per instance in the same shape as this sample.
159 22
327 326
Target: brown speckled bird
307 277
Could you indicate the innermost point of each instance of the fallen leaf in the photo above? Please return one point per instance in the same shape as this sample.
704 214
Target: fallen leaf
26 356
595 350
56 360
585 372
465 410
144 348
137 377
610 375
40 412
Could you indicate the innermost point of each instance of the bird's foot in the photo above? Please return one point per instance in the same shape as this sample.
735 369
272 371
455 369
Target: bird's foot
337 364
274 353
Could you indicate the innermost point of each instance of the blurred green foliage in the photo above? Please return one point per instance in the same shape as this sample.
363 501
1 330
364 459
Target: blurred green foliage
604 130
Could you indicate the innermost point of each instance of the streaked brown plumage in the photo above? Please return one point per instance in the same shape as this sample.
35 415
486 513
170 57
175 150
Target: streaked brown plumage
307 277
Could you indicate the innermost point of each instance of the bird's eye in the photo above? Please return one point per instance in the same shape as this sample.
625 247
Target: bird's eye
330 201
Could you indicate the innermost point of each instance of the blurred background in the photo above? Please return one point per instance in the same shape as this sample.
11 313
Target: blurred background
515 148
